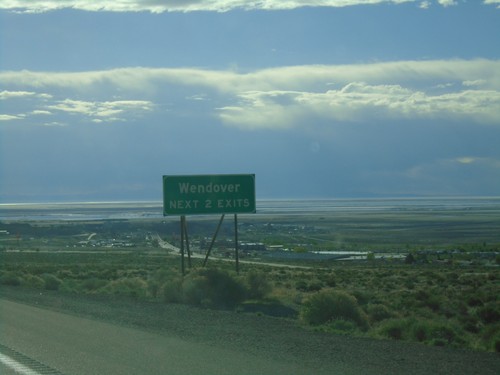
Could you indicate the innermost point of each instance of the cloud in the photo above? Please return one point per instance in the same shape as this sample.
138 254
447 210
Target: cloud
5 95
485 73
466 160
359 102
464 90
447 3
10 117
271 109
492 2
478 83
40 112
140 80
109 110
486 162
160 6
29 103
55 124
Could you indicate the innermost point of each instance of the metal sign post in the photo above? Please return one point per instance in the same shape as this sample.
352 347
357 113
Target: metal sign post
184 241
236 256
208 194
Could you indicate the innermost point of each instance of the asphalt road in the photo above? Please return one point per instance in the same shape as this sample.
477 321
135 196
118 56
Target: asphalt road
75 345
101 335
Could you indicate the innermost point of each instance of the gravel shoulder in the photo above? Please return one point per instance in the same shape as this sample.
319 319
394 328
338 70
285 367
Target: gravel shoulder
266 337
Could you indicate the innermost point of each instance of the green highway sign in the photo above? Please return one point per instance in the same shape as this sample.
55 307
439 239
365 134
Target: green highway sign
208 194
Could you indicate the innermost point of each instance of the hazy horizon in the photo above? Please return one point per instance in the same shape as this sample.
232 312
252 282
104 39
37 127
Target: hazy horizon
262 199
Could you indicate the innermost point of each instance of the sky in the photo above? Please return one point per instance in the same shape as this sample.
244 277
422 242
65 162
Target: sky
317 98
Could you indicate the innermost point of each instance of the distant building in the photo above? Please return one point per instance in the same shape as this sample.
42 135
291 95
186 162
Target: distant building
252 246
276 247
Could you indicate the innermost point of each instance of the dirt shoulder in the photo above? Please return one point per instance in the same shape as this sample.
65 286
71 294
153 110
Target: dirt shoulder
266 336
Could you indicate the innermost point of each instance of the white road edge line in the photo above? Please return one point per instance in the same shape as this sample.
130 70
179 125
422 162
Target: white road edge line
16 366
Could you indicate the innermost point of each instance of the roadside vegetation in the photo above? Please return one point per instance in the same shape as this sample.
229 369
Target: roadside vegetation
435 304
442 288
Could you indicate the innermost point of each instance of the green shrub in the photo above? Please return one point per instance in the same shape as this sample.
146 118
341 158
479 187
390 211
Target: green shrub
328 305
341 326
195 291
331 281
302 285
93 284
212 288
378 312
172 291
72 286
469 322
257 285
429 300
438 333
315 286
393 328
445 332
489 313
268 307
51 282
157 281
362 296
34 281
489 338
11 279
133 287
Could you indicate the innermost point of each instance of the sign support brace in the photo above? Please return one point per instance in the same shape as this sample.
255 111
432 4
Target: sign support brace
236 255
213 240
